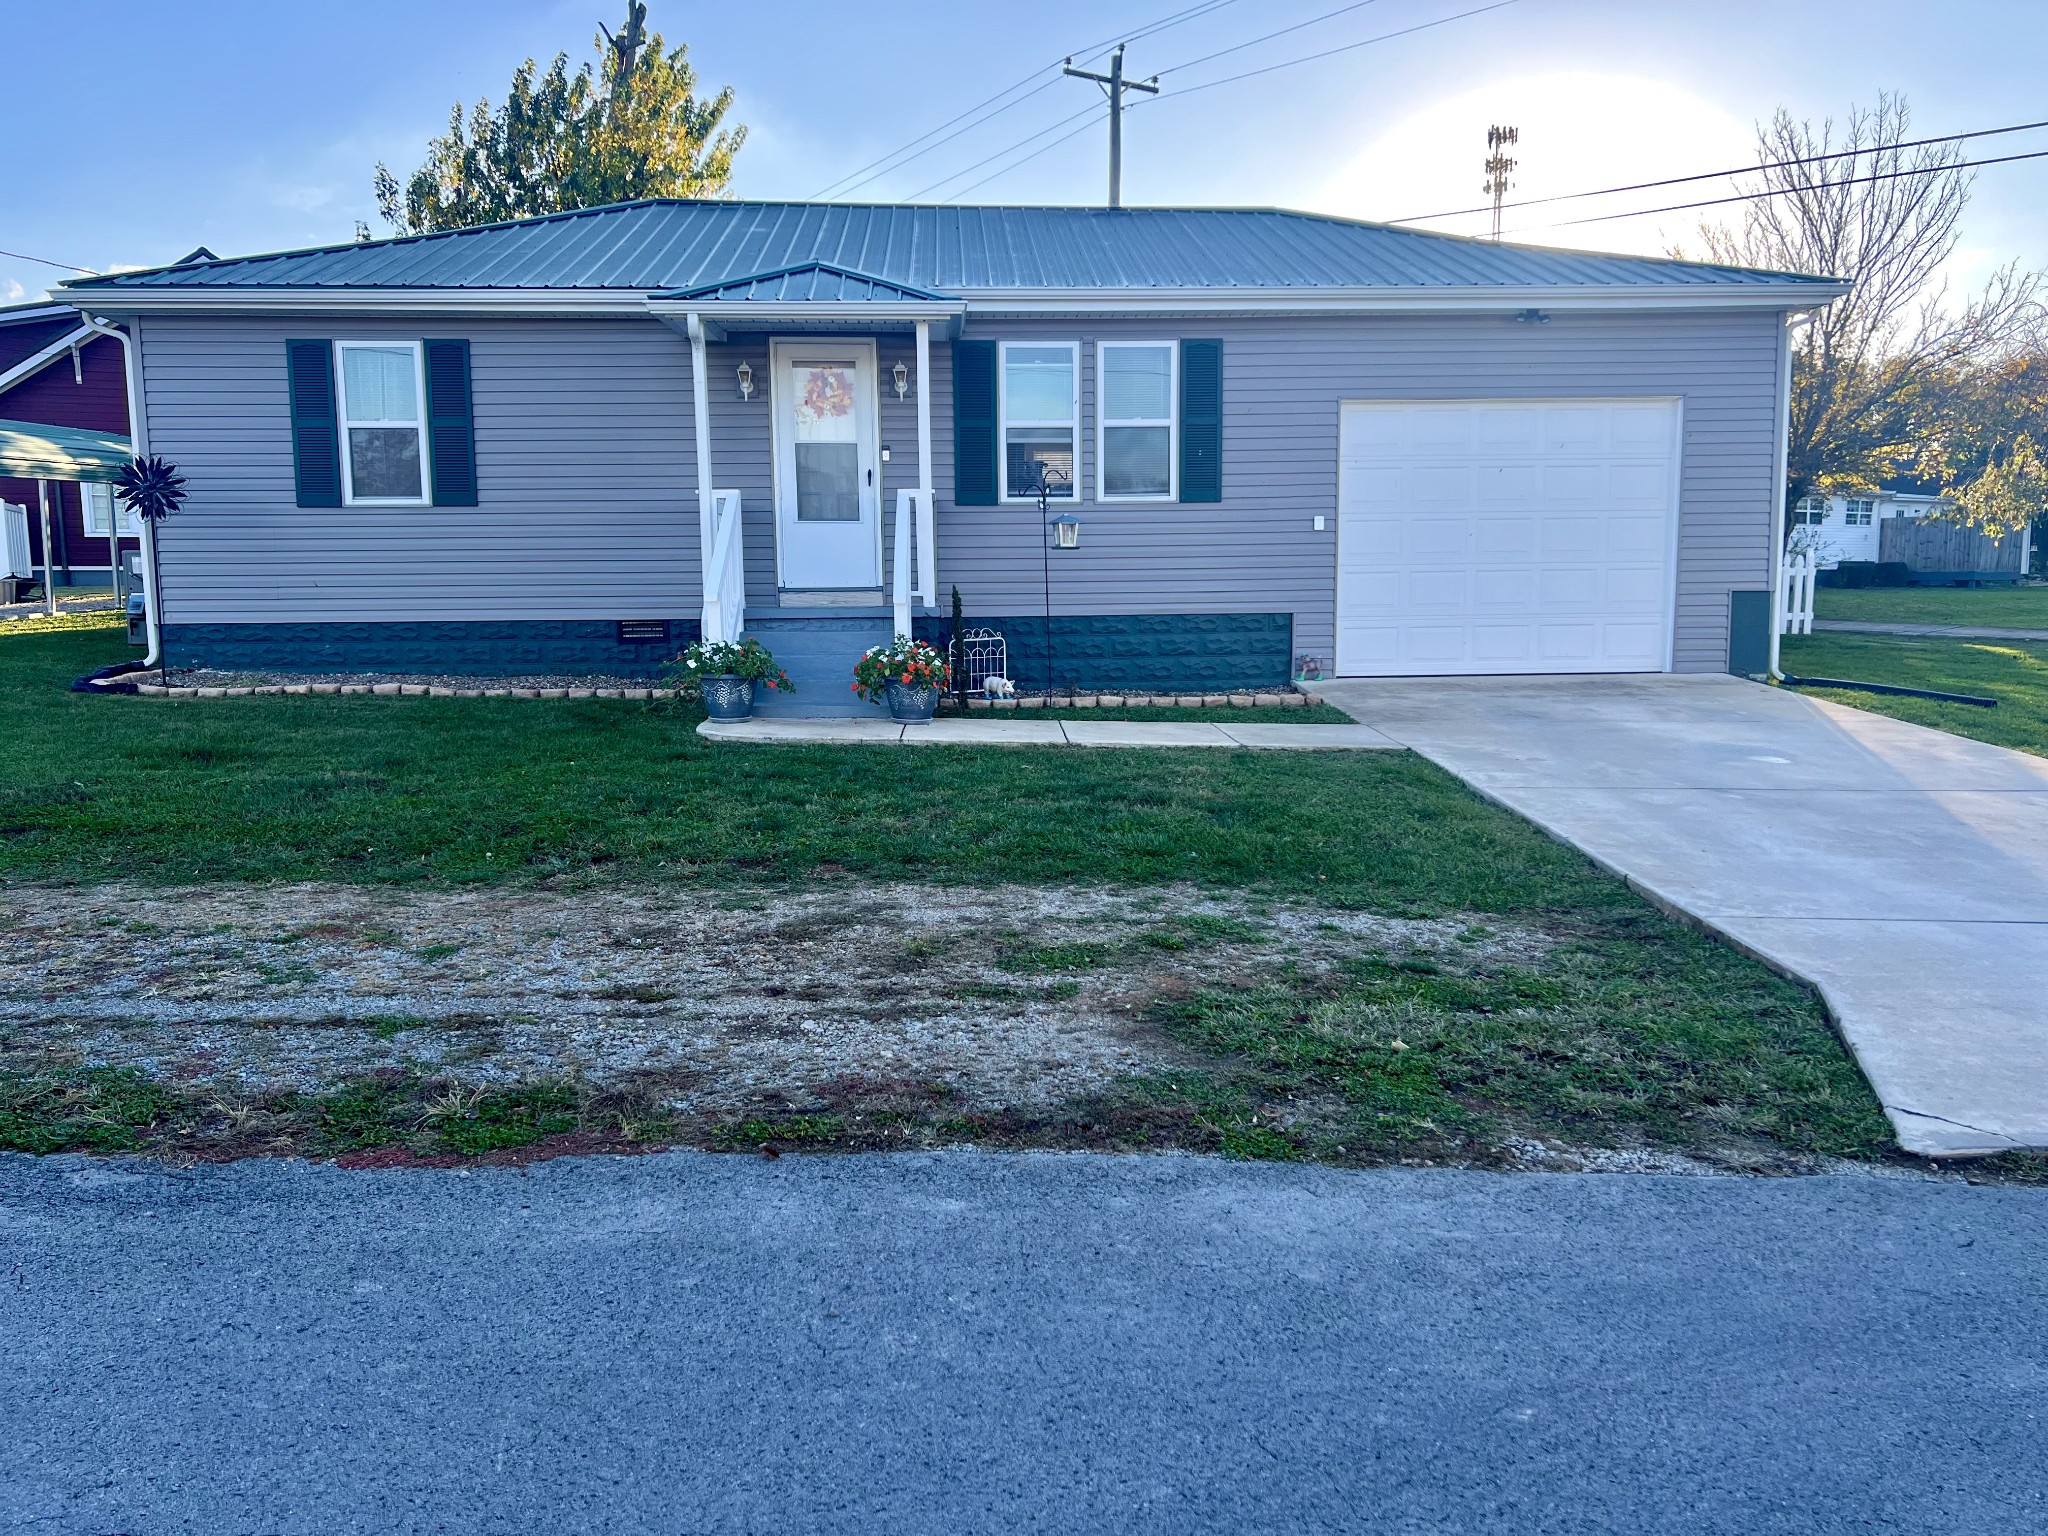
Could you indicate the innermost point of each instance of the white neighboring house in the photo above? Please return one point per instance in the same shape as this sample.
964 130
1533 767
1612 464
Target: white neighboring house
1838 528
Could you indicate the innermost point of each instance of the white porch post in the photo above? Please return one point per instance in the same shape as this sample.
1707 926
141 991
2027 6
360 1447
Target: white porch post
700 390
49 551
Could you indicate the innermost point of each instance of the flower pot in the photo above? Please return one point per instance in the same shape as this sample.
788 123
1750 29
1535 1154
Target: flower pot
728 698
912 704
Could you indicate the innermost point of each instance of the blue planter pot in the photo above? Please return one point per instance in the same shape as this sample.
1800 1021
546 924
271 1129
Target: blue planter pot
728 698
912 705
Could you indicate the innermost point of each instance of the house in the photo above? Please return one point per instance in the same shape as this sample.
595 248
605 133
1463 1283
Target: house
56 372
1893 526
1155 447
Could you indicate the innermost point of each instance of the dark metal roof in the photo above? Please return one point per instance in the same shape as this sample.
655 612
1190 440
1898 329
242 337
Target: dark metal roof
816 282
667 244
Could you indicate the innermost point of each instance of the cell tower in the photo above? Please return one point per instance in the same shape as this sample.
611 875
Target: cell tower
1497 167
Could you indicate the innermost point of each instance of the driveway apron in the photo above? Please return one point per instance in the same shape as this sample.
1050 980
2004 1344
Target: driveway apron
1901 870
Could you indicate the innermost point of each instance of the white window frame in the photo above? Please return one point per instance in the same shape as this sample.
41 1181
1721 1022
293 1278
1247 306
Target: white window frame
349 498
1813 512
1003 422
1859 512
1171 421
122 521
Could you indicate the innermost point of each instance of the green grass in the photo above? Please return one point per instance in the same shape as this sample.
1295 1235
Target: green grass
2015 675
1633 1031
452 791
1984 607
1637 1030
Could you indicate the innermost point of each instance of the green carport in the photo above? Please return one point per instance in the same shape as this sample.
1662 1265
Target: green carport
31 451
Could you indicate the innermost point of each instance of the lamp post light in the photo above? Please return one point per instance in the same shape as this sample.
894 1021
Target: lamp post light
1066 531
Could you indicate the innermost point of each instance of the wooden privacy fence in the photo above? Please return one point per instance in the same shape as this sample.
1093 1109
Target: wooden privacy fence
1932 544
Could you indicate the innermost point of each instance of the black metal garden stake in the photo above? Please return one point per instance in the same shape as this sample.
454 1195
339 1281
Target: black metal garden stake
153 490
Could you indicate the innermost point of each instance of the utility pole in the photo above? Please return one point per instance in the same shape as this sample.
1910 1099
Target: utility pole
1497 167
1115 84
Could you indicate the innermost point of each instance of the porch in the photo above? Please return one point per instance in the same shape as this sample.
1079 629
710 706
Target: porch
816 529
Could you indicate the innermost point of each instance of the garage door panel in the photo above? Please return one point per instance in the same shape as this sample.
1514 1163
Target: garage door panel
1504 592
1572 538
1505 536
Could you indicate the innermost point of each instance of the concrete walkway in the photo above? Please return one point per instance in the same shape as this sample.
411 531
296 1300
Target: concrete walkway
1931 631
1053 733
1903 871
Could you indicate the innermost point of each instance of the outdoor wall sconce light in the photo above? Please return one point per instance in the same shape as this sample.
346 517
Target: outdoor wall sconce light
746 378
1066 531
902 380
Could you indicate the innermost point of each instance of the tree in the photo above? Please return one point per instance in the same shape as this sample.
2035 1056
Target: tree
630 126
1980 438
1874 370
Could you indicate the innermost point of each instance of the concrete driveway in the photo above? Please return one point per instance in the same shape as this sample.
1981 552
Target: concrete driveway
1901 870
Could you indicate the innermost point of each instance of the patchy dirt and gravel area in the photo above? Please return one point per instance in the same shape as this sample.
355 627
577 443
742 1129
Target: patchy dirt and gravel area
1006 998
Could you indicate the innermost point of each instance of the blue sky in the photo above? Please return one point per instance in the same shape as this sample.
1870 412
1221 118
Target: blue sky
245 127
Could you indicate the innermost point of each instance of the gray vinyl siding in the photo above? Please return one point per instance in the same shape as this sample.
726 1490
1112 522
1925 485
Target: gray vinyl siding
585 480
586 473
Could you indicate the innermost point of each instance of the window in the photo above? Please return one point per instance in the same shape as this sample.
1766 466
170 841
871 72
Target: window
1041 406
1811 512
1857 513
103 509
1134 449
383 433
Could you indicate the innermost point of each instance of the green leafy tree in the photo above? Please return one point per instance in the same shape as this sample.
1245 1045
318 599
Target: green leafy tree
629 126
1980 434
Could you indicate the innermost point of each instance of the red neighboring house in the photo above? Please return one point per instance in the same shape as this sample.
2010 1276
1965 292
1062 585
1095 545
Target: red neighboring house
83 384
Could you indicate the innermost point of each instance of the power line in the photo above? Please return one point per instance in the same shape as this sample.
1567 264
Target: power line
1811 186
882 165
44 261
1186 91
1740 170
1356 5
1086 113
1309 58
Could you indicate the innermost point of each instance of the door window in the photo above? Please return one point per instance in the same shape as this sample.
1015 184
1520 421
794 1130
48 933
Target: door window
826 441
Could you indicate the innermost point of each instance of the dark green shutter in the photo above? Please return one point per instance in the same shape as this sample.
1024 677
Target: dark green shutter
451 424
975 456
316 444
1201 421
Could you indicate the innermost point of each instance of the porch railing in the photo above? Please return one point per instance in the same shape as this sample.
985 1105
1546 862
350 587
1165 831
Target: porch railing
725 577
1796 602
916 550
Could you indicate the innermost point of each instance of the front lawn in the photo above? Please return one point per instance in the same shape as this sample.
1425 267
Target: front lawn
506 912
2015 675
1978 607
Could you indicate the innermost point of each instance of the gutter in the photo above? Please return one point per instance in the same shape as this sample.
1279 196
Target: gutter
977 303
138 438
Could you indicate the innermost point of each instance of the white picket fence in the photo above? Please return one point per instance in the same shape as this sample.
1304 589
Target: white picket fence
1795 604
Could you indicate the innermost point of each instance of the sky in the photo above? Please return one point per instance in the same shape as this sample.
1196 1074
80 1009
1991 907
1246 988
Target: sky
145 130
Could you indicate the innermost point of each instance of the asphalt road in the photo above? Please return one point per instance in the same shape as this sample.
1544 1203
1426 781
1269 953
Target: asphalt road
965 1343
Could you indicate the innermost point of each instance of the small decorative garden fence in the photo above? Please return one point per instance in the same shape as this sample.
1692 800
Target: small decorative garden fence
983 654
1796 606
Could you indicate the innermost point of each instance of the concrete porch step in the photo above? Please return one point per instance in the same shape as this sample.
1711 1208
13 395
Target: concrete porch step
817 650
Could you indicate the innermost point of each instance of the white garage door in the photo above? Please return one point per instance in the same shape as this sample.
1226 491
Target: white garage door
1506 536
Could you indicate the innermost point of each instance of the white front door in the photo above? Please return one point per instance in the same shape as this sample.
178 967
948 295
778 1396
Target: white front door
1478 536
828 500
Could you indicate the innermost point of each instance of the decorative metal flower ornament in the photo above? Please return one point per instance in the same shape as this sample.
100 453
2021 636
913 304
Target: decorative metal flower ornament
152 488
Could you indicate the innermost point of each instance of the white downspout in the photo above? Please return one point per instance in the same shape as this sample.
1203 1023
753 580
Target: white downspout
1782 468
700 391
138 438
